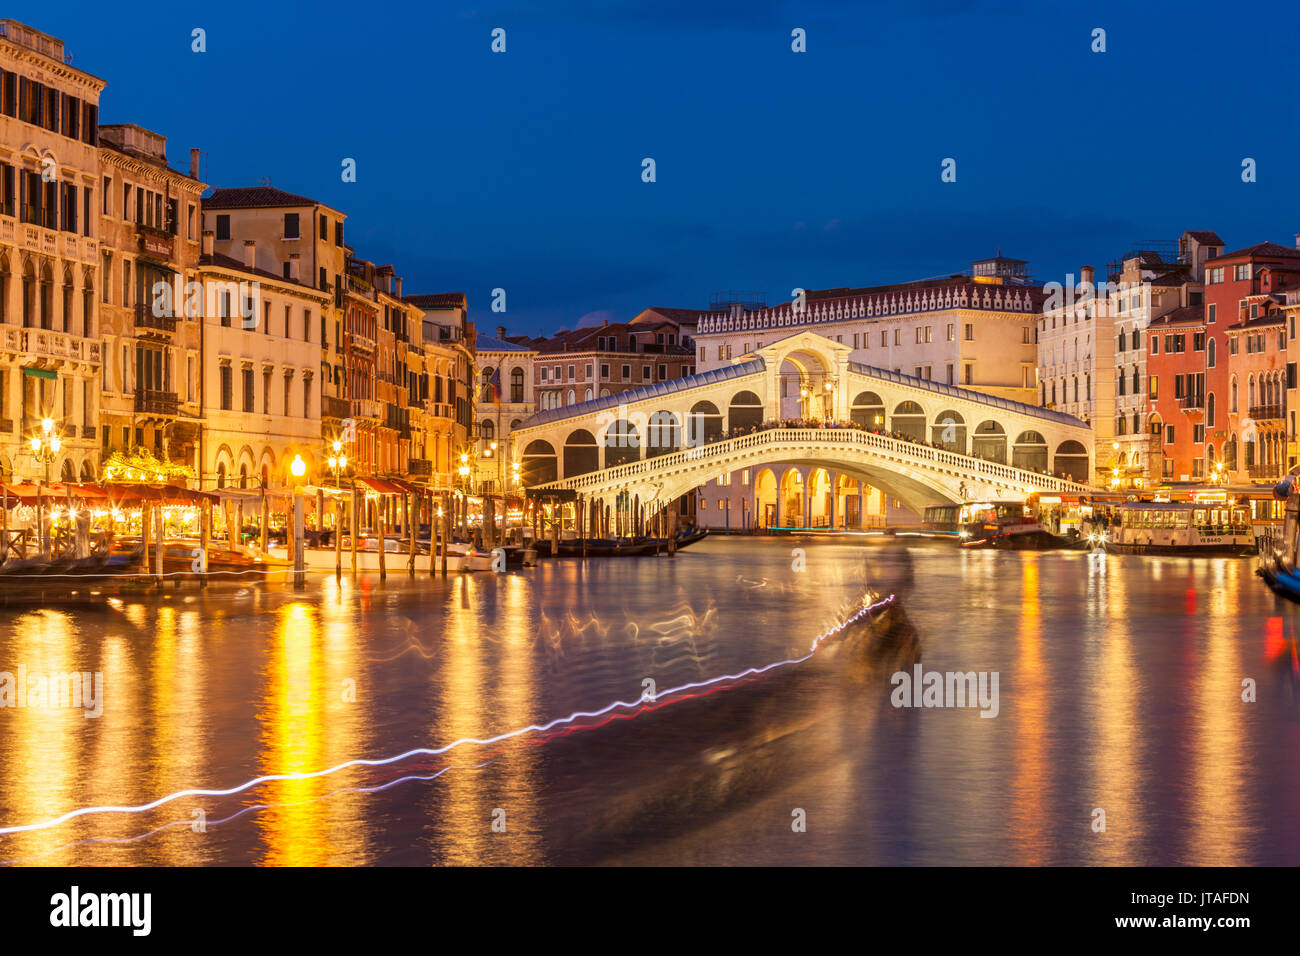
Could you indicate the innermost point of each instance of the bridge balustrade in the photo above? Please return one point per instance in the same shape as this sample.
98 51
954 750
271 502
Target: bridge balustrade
796 437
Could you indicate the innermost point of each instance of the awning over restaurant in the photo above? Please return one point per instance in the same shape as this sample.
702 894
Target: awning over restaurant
385 486
27 493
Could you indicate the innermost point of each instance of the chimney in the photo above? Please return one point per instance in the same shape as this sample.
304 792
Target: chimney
209 237
1088 274
294 274
250 253
397 283
194 163
1297 240
501 332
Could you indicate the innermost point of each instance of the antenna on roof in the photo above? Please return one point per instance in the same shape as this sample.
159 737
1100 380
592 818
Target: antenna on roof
265 181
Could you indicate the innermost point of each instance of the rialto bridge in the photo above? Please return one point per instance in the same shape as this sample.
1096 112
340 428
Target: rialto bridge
922 442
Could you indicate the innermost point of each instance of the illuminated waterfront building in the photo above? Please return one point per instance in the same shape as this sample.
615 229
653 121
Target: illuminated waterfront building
50 194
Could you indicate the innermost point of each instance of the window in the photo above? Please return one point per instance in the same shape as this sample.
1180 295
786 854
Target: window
1198 434
226 398
324 226
898 336
1209 356
645 373
1212 315
604 370
1155 345
1198 341
1169 434
1214 276
291 226
1241 273
1154 382
627 373
223 227
250 396
970 332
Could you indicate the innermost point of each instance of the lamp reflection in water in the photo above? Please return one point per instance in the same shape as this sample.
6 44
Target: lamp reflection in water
294 718
486 684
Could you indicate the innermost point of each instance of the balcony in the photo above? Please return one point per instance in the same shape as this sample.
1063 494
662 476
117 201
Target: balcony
148 322
1266 413
419 466
1265 472
88 432
46 347
156 243
337 408
1192 402
365 408
154 402
361 343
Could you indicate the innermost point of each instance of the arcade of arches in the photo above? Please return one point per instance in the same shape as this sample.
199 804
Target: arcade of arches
795 496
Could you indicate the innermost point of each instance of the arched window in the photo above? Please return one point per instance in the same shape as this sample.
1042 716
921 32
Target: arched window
1232 395
1209 361
516 385
487 430
1209 407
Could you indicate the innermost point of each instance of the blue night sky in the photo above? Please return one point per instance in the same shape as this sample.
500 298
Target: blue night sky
775 169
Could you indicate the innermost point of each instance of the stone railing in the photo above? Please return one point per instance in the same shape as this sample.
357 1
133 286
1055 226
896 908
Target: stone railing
797 440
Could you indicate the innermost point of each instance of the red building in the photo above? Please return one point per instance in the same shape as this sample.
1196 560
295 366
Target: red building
1179 408
1231 280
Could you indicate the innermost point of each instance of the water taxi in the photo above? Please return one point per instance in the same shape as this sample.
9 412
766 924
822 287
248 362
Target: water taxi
1003 524
1181 527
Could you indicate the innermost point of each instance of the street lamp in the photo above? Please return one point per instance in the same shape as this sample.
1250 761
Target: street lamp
338 461
297 467
45 445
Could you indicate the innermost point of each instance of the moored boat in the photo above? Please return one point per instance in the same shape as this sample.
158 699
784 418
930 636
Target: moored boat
1190 528
1003 524
1277 554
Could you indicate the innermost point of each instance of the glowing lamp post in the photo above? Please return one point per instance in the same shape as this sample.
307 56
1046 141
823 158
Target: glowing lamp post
338 461
45 446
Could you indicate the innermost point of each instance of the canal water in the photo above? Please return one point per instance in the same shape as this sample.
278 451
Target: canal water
1120 733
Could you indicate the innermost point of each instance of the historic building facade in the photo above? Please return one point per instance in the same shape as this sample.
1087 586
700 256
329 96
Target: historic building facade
260 398
505 400
50 351
976 331
149 226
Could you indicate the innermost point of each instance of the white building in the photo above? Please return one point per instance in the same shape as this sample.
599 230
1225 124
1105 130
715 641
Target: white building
261 387
505 399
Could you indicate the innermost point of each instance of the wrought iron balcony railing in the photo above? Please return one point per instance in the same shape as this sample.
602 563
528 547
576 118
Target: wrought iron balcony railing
156 402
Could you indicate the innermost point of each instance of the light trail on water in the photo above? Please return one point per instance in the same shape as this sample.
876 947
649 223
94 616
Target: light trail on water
571 720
